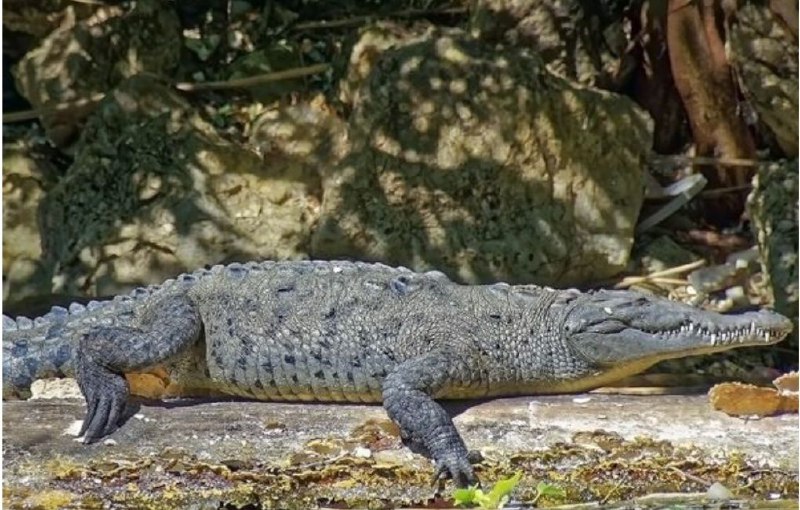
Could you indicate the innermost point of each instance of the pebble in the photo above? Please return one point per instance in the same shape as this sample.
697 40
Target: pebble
55 388
362 452
73 429
719 492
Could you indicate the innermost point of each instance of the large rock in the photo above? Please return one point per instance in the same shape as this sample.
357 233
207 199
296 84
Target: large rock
26 179
27 22
268 455
520 176
583 41
478 161
764 51
84 58
154 191
772 206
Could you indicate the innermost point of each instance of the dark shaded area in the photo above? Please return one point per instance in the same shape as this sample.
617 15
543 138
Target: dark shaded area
704 80
643 72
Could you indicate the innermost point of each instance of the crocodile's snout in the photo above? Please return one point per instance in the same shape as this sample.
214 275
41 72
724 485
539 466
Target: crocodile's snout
617 326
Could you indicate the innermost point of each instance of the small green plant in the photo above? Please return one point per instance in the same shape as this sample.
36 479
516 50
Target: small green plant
495 498
549 490
499 495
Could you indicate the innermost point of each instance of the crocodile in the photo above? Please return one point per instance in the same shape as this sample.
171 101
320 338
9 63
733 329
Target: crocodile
335 331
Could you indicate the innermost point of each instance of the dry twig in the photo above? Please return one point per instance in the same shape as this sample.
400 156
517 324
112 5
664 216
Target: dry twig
250 81
361 20
661 276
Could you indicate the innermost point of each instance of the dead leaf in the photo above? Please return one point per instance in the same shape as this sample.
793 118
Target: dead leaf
787 383
738 399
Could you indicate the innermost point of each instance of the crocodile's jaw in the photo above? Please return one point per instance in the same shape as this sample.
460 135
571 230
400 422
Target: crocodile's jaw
625 332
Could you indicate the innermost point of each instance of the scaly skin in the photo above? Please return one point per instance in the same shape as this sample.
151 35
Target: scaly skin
354 332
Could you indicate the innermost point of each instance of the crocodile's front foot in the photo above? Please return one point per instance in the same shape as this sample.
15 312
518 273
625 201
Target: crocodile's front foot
424 425
457 467
448 452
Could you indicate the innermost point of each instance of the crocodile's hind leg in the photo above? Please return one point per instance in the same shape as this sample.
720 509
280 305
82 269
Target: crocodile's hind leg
105 353
408 399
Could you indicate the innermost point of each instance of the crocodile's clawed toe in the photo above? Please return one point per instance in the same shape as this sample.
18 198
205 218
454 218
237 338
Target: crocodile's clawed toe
106 395
458 469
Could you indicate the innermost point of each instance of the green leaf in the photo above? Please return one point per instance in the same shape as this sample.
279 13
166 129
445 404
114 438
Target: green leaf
546 489
498 496
505 486
484 500
465 496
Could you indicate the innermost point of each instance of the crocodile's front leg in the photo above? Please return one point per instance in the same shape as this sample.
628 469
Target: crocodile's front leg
105 353
407 397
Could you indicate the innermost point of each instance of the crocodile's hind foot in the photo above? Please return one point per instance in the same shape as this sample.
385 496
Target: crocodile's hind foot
106 395
105 354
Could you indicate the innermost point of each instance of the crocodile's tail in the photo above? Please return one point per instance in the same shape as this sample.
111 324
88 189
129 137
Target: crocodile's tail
44 347
35 349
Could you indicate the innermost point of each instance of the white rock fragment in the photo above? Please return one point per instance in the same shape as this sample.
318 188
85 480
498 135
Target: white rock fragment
582 400
362 452
73 429
109 442
719 492
43 389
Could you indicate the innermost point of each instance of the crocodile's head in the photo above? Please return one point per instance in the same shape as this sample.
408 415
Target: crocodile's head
618 328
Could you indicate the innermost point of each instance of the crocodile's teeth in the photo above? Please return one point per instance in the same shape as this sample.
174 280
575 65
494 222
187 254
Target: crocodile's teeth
766 336
713 339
